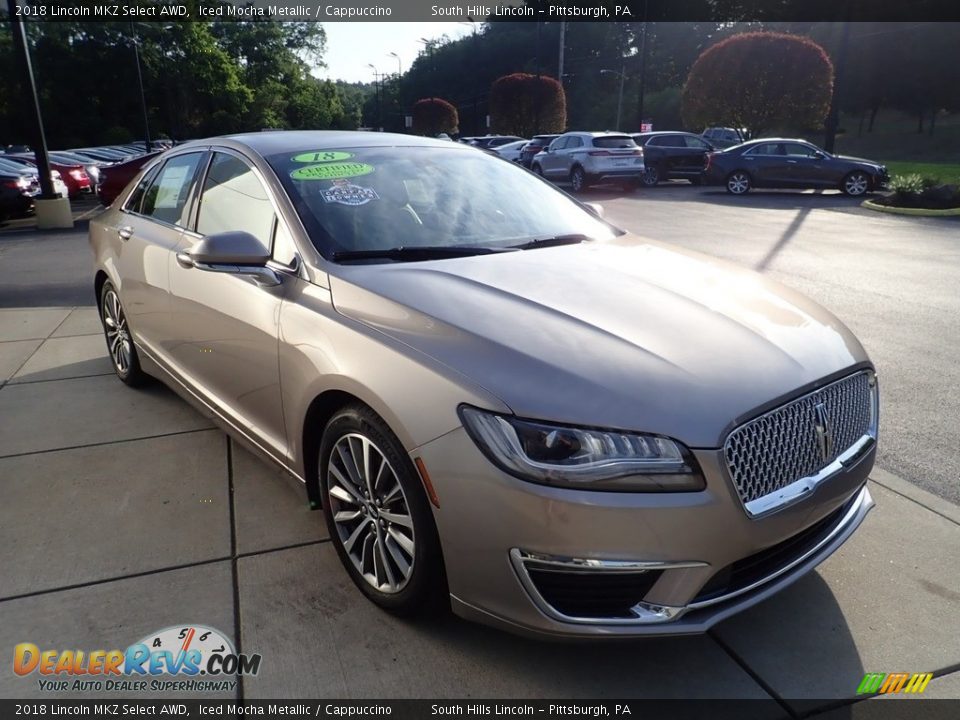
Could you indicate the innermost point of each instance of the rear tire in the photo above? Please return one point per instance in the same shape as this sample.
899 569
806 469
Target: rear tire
120 345
377 513
578 179
651 176
738 183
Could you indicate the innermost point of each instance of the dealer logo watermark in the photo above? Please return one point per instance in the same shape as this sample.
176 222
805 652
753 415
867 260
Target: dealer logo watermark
188 657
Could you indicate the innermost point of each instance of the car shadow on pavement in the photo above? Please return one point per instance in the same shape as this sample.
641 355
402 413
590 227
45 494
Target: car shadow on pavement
780 199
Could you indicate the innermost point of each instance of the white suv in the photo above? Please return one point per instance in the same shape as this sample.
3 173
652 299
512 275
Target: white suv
585 158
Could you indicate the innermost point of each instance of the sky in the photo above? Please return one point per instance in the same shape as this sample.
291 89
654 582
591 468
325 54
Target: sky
352 45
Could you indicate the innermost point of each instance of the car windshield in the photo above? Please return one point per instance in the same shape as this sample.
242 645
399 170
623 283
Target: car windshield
380 198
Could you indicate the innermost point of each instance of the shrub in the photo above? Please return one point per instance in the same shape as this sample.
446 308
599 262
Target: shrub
523 104
432 116
911 184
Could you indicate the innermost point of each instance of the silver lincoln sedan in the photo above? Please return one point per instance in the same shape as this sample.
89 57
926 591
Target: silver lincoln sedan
500 401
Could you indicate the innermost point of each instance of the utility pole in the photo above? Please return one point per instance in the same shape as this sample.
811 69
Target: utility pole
32 103
143 96
833 118
563 36
643 67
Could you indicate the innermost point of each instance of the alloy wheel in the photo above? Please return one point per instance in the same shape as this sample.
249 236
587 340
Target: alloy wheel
577 179
738 183
371 513
856 184
118 334
651 176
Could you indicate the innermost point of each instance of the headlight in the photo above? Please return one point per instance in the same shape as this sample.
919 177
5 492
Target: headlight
582 458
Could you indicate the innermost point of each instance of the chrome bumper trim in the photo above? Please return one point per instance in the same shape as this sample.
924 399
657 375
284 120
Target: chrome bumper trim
650 614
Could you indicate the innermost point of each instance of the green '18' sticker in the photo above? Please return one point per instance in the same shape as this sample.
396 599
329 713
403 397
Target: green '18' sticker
332 171
317 156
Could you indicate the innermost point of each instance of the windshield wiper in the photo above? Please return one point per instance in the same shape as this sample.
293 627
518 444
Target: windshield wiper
413 253
553 241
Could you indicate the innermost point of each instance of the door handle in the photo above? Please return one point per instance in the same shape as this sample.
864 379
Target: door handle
185 259
792 162
125 232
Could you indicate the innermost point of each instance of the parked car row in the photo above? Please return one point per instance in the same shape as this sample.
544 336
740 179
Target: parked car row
649 158
75 173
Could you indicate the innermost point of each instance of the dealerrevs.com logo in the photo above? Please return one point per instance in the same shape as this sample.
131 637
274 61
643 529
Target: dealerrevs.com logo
189 657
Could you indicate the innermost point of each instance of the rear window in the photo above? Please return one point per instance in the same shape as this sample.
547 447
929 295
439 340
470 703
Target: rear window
614 142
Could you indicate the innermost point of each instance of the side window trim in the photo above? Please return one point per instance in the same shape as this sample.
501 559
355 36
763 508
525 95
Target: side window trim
154 171
147 178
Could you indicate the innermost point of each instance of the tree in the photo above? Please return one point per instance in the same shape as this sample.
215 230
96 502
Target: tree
757 81
432 116
525 105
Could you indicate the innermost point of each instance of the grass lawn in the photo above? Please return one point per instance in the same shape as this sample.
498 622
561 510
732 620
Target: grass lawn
946 172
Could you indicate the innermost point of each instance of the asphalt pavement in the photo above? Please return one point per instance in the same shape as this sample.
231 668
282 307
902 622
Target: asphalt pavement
893 280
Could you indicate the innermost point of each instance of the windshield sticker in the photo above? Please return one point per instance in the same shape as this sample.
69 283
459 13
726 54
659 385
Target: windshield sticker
332 171
318 156
346 193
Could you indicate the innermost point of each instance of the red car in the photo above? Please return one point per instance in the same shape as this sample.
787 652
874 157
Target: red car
74 176
114 179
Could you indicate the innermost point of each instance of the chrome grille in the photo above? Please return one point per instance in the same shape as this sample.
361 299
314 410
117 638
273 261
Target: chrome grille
783 446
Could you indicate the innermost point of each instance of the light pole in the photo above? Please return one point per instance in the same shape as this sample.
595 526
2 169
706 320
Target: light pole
403 122
376 90
399 64
622 74
143 96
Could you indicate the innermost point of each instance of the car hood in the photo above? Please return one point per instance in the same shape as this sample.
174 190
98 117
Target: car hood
626 334
864 161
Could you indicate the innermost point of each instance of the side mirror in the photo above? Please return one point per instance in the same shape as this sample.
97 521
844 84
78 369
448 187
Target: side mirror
235 252
594 209
819 156
230 248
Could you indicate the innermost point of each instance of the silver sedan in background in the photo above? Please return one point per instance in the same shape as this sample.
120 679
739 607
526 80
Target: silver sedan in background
501 402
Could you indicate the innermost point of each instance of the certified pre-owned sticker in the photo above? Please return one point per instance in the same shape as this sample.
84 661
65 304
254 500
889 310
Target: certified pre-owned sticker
318 156
346 193
332 171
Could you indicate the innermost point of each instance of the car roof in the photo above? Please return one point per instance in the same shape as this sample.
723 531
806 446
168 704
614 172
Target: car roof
653 133
280 141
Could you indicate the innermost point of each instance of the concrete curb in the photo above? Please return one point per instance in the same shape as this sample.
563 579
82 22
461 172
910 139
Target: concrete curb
915 212
938 505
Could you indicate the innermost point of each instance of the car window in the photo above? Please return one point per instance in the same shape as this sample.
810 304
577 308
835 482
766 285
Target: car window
767 149
375 198
135 200
559 143
674 141
798 150
234 199
574 142
695 143
614 142
656 141
166 197
284 250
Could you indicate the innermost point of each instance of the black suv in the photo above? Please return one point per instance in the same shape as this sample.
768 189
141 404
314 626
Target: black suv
669 155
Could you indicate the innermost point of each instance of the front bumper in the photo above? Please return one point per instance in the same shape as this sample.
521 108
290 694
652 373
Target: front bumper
494 528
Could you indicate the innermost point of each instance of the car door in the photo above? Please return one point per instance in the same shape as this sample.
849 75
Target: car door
228 347
767 164
809 167
148 229
570 155
552 160
694 157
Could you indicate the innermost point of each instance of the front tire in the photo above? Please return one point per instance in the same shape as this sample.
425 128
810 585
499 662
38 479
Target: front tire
856 183
116 330
738 183
377 513
651 176
578 179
